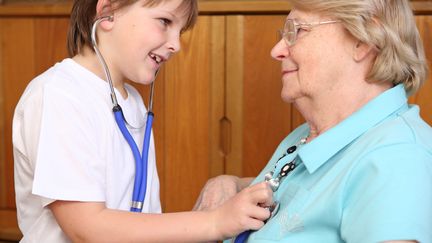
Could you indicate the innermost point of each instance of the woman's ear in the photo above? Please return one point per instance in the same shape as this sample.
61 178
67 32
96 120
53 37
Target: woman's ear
362 50
104 8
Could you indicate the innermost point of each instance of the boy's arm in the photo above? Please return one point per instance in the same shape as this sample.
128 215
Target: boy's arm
93 222
219 189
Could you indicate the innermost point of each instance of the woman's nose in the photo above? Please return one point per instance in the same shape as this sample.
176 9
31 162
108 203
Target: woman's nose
280 50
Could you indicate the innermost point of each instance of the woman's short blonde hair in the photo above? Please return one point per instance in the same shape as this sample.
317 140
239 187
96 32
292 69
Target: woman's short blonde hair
388 25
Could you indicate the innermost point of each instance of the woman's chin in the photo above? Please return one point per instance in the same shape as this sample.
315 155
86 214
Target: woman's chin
288 96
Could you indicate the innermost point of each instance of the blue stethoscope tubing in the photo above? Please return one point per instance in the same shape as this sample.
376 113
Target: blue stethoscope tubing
141 161
242 238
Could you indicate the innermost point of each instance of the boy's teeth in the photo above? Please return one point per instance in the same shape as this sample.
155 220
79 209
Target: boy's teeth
158 59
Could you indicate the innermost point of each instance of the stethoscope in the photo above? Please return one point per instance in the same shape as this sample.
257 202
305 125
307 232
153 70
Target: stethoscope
141 161
243 237
274 208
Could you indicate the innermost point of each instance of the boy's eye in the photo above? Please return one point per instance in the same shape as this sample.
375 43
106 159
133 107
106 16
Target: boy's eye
165 21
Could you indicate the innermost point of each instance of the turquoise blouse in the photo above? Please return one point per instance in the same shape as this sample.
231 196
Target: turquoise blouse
368 179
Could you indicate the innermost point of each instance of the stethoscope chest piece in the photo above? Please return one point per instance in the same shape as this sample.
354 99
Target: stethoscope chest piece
274 209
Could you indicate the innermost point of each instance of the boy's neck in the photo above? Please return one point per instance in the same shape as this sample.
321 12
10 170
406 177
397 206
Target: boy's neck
89 60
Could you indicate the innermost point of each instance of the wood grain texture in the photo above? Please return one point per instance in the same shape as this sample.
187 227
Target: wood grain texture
30 46
3 174
9 225
234 93
16 72
424 97
267 119
217 94
55 8
186 118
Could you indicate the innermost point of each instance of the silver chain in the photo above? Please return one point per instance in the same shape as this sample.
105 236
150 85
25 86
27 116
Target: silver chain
286 169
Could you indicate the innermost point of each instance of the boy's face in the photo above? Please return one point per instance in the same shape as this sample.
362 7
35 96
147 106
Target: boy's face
142 39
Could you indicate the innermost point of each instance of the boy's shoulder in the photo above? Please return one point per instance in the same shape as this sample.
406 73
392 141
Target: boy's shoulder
61 71
65 80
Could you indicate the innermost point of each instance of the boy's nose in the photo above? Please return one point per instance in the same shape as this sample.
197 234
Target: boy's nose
174 44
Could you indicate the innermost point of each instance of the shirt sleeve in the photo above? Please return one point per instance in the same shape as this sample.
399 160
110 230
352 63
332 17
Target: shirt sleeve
389 196
68 163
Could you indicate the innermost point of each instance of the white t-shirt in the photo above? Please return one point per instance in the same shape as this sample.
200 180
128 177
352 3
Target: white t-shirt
67 146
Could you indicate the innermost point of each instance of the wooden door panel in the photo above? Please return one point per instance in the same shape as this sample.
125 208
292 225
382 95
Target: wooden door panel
265 119
30 46
16 73
424 97
187 121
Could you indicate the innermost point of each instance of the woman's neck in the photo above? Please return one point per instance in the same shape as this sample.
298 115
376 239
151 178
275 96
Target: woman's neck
325 112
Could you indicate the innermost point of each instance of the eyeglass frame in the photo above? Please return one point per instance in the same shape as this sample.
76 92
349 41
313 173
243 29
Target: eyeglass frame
283 33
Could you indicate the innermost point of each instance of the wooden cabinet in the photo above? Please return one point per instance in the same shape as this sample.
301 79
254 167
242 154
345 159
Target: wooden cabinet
29 45
189 108
217 103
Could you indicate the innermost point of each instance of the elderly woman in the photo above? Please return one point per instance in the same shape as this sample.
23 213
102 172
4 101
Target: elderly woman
360 168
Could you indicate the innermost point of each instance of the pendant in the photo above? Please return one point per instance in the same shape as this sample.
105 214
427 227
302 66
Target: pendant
268 176
291 149
287 168
273 182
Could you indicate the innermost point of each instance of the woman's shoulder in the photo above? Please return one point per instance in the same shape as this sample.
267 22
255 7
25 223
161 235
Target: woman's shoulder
405 128
403 141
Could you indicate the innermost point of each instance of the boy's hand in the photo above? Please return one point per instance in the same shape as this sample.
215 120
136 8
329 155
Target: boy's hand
244 211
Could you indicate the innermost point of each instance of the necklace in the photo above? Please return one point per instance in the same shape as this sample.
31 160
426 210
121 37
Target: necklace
274 184
286 169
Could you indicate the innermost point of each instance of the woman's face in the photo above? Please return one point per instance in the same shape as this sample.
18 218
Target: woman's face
142 39
318 62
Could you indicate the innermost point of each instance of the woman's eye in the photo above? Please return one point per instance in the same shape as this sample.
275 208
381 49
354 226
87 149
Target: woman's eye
165 21
300 30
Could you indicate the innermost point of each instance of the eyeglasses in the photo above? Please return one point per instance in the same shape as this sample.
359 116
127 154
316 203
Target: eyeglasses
291 28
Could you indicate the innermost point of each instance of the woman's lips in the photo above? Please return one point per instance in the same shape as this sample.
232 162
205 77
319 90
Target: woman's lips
289 71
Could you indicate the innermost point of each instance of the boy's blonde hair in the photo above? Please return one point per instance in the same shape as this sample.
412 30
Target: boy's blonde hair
388 25
83 14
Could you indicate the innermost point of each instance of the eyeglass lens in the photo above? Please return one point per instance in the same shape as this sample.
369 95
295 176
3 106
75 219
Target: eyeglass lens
289 32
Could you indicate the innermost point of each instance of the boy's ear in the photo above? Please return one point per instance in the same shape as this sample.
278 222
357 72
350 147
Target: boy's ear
104 8
362 50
